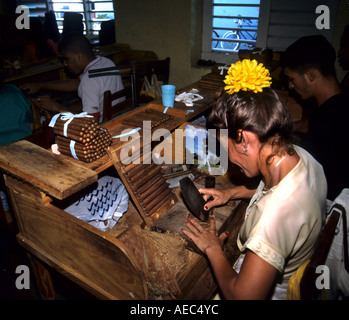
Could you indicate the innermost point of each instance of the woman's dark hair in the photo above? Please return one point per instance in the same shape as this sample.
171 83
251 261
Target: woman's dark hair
261 113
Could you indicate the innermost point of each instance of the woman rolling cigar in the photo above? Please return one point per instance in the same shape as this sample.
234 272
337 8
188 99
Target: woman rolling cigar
286 211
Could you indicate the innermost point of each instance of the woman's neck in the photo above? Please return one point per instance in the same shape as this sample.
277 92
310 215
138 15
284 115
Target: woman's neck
278 168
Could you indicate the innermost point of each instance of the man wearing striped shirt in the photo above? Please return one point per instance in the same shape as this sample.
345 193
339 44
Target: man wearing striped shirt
79 59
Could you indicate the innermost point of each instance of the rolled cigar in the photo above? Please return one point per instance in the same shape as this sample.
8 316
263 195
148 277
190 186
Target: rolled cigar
80 152
74 126
70 133
71 125
89 120
144 193
144 174
157 199
75 135
76 130
141 168
151 195
63 141
84 157
79 139
145 184
160 201
138 121
68 153
77 151
79 145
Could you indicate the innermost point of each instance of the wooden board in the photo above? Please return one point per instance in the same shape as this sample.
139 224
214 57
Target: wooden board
51 173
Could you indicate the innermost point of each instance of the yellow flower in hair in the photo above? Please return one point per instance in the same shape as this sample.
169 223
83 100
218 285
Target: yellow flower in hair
247 75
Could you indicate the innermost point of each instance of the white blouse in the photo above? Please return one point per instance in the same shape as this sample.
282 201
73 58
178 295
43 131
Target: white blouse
282 224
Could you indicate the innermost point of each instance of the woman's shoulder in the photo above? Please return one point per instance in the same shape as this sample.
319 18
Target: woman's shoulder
309 161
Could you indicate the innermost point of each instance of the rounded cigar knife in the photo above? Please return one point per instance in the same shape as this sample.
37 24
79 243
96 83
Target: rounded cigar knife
193 198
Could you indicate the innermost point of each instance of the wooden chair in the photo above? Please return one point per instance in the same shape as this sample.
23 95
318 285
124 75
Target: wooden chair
128 75
302 285
307 284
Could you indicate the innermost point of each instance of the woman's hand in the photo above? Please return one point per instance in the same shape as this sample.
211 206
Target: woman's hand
204 238
220 197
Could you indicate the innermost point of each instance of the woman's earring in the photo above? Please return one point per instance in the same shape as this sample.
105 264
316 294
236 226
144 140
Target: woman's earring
245 151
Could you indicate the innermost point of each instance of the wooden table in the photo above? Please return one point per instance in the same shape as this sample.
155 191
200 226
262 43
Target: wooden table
136 259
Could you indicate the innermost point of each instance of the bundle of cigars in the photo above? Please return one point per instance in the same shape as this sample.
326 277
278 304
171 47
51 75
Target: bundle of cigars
81 138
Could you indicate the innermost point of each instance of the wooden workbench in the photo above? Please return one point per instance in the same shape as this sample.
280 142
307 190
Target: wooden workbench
130 261
137 258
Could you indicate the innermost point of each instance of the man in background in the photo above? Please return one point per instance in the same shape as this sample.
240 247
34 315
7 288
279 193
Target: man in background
79 59
309 64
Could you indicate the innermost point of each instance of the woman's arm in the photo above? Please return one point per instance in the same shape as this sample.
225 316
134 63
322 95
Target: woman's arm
222 196
254 281
256 276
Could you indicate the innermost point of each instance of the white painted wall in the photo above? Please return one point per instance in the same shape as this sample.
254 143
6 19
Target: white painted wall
170 28
173 28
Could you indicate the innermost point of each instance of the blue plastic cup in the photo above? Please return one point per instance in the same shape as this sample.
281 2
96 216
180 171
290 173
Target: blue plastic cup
168 95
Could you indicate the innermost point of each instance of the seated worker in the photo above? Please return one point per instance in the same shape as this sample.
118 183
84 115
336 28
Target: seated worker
309 64
79 59
15 114
286 212
343 58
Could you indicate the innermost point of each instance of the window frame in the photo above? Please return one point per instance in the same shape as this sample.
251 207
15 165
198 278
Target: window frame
223 57
87 12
